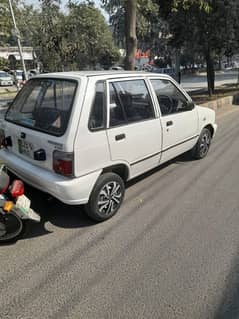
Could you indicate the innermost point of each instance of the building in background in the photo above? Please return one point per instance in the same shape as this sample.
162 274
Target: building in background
11 54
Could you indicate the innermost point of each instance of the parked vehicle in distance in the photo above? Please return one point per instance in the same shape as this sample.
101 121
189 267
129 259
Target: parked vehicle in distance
80 136
117 68
17 77
5 79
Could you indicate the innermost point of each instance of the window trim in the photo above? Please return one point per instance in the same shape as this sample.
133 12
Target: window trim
142 78
93 130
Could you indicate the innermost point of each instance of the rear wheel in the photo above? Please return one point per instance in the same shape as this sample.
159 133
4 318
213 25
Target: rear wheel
106 197
11 226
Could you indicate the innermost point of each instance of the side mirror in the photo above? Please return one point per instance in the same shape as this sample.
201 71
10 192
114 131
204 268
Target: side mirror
189 105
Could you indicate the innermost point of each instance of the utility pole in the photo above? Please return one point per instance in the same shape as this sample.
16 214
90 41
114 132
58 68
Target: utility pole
17 34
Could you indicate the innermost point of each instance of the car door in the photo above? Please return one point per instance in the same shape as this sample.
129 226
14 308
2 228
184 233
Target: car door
179 118
134 128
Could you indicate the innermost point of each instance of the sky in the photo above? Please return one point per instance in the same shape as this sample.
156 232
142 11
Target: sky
97 4
36 2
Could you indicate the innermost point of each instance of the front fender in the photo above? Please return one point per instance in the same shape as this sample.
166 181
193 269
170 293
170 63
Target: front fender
206 117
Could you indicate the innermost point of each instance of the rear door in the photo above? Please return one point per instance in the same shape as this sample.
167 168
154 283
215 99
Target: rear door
134 128
38 119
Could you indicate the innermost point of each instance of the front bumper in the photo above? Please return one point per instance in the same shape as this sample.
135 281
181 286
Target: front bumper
72 191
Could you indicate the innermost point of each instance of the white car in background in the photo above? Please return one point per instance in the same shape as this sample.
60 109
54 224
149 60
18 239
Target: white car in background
5 79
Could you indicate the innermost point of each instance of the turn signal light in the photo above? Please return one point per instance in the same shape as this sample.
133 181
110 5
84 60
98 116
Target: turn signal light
17 188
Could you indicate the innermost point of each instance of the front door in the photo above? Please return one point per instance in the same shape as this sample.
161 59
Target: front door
134 130
179 122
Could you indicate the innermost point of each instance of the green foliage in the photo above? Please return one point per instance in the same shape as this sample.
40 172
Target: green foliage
148 25
76 39
47 42
5 22
3 64
88 37
212 32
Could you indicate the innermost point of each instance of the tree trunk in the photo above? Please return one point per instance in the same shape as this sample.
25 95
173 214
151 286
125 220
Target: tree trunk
210 73
130 33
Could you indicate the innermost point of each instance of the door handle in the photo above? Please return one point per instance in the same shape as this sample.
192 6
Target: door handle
169 123
119 137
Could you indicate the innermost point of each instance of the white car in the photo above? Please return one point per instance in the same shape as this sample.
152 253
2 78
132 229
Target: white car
5 79
80 136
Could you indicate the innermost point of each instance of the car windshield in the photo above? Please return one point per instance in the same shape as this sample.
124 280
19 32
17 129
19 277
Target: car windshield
44 104
3 75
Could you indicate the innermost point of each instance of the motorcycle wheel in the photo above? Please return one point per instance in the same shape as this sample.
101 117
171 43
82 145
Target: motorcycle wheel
11 226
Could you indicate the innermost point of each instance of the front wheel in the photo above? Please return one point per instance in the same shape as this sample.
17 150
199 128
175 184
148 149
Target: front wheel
11 226
106 197
201 149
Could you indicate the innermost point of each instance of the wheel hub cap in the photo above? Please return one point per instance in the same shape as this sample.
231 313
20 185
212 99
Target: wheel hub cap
109 198
204 146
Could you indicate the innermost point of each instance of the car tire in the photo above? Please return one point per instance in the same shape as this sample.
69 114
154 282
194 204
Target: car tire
106 197
201 149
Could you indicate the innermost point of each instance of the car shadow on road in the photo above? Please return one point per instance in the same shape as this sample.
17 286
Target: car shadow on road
67 216
183 158
53 211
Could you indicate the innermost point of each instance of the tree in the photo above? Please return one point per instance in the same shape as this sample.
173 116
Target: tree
133 8
89 40
130 33
210 32
133 22
123 12
5 22
47 42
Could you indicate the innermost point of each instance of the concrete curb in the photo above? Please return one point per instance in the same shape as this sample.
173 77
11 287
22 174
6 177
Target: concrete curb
225 102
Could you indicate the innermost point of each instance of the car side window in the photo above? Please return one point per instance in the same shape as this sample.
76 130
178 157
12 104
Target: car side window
117 114
130 102
97 115
170 99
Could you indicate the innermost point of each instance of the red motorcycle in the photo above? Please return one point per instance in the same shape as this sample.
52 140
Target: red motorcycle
14 208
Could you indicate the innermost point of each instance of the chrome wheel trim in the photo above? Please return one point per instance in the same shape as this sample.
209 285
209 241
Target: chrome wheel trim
109 198
205 143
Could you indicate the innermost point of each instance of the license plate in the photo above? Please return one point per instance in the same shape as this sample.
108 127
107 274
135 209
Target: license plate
25 148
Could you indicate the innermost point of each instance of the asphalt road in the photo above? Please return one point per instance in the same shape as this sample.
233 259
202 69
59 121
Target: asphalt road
172 251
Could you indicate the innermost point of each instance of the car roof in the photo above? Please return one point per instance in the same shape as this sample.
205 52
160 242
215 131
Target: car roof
103 74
